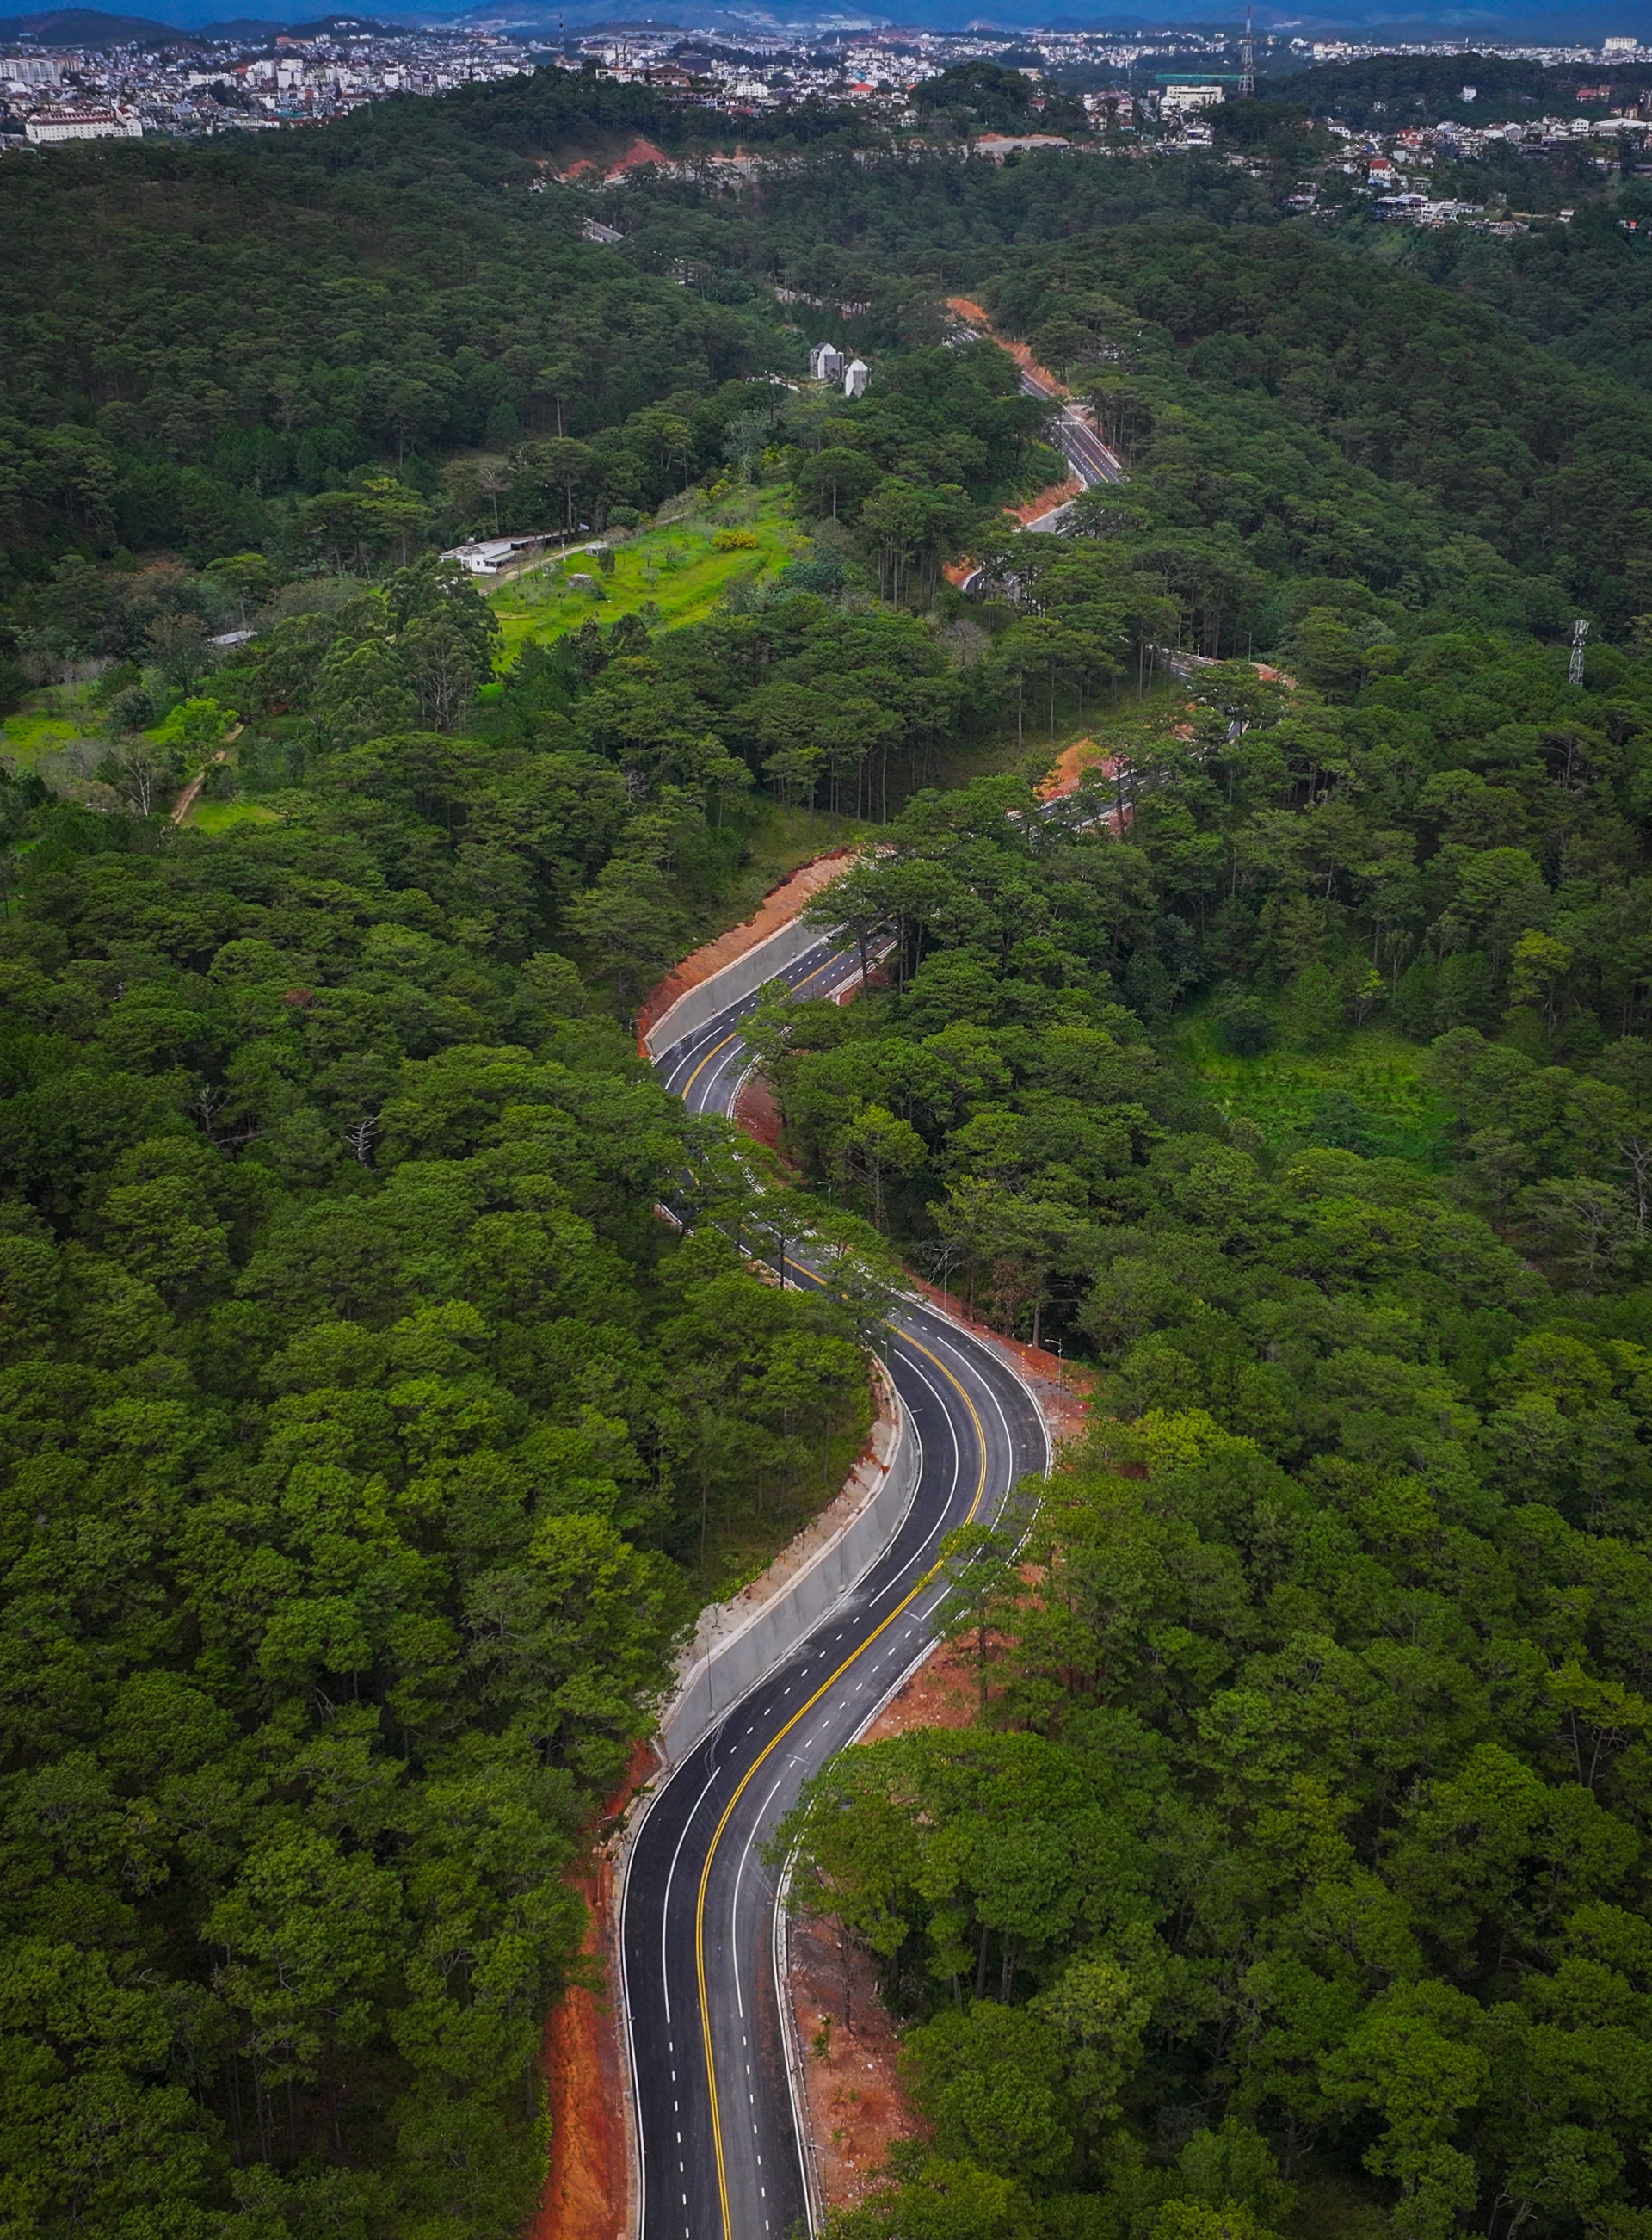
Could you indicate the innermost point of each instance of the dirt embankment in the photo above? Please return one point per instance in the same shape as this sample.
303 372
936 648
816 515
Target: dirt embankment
1026 510
976 315
856 2103
588 2187
786 901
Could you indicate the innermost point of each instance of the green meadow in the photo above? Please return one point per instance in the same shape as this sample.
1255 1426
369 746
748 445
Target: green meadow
672 573
1368 1091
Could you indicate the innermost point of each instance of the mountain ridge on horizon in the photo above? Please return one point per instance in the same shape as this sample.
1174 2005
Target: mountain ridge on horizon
1363 20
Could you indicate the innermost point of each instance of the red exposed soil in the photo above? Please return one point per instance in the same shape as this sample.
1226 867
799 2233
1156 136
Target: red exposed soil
778 908
1045 501
855 2105
976 314
940 1693
756 1115
1067 771
640 152
1062 1394
588 2187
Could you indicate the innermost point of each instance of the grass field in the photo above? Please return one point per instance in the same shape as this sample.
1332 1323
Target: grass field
1289 1097
669 574
213 816
57 716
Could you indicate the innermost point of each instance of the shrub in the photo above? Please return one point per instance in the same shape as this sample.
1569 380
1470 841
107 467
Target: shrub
1245 1026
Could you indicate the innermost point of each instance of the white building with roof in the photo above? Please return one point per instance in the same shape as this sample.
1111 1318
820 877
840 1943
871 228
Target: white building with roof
75 123
489 553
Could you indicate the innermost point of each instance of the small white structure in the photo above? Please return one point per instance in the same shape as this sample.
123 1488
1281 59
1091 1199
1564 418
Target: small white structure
488 555
825 361
47 125
856 377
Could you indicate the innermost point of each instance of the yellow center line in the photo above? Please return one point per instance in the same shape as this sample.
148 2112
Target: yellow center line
803 1711
688 1087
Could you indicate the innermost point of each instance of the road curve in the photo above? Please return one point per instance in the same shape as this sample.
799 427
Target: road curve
1082 449
1089 458
720 2154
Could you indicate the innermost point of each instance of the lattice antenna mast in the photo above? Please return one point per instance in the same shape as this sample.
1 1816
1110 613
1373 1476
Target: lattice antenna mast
1580 632
1248 61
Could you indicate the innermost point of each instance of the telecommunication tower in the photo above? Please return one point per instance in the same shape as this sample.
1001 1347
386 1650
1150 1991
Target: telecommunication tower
1247 62
1580 632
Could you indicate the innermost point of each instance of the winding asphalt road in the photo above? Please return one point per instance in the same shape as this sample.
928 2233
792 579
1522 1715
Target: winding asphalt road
1083 449
719 2147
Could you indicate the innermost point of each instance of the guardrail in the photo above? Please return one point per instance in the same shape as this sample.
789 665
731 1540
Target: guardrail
731 984
736 1645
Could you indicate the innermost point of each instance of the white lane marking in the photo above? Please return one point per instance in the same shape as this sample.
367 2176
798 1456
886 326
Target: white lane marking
665 1903
961 1353
733 1909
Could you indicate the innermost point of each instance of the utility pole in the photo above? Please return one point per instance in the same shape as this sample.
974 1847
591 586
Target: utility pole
1247 62
1580 632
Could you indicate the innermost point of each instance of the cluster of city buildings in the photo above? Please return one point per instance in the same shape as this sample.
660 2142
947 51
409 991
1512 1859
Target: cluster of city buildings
194 86
879 69
1170 80
1396 171
1618 50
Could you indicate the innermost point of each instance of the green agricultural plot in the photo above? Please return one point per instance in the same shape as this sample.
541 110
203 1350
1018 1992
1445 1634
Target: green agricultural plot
49 721
671 574
214 816
1369 1093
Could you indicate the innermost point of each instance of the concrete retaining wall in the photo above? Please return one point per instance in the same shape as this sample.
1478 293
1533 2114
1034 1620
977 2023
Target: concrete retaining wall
736 1641
732 983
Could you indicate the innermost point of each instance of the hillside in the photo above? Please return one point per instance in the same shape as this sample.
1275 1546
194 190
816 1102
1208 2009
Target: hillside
368 1441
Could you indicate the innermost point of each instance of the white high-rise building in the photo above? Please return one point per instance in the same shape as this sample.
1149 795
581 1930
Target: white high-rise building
856 375
825 361
30 70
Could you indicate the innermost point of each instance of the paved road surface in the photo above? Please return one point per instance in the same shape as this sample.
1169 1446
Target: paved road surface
721 2159
1086 454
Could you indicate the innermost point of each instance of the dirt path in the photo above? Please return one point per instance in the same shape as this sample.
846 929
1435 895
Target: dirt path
191 792
587 2186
